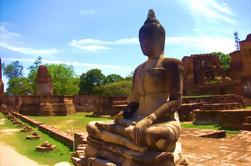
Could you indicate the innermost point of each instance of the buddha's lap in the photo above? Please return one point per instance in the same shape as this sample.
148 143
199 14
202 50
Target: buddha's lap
169 130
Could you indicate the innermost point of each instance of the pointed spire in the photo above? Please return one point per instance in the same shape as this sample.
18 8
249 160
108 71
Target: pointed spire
151 18
151 14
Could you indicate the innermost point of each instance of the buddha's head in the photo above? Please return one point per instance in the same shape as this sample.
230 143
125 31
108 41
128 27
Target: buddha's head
152 36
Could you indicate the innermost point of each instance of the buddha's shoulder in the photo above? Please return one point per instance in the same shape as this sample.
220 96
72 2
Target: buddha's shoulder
139 67
171 63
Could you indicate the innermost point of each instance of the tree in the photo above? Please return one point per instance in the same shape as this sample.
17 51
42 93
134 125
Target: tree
225 60
112 78
19 86
65 81
90 82
33 72
35 65
12 70
120 88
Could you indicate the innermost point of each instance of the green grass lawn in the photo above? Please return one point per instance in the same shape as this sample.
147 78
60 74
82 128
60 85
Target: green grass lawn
77 120
248 106
27 147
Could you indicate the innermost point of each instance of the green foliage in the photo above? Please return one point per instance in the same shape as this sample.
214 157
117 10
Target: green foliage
113 78
121 88
225 60
19 86
35 65
64 79
12 70
90 82
33 72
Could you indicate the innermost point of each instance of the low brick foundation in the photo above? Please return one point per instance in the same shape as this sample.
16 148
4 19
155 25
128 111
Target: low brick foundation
65 138
226 118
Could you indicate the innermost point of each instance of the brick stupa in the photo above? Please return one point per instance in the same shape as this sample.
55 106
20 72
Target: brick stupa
45 103
44 86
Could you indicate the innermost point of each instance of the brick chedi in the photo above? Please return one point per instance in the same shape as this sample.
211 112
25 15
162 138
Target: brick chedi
44 84
45 103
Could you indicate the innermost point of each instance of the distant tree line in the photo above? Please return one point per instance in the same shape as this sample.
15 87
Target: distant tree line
65 80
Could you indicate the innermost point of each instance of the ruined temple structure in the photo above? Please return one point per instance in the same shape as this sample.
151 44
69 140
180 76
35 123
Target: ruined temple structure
44 86
199 70
240 69
204 75
1 81
45 103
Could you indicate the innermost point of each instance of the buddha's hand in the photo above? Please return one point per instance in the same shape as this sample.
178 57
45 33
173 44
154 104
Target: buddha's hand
118 117
139 129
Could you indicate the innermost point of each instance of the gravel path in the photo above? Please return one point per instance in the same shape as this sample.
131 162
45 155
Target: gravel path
8 156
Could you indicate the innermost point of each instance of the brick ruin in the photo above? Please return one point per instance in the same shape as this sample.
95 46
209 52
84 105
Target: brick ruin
240 69
202 69
44 86
46 105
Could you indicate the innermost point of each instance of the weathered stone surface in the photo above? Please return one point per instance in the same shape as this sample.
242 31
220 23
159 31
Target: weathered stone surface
47 105
45 147
110 105
226 118
240 67
44 85
212 99
215 134
234 150
138 135
201 69
86 103
185 112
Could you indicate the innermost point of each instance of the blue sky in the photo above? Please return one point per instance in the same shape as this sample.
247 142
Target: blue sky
103 34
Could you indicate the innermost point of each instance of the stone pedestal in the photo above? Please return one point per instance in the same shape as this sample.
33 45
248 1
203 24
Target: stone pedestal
100 153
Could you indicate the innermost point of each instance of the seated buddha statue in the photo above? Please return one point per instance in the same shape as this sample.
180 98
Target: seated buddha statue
149 123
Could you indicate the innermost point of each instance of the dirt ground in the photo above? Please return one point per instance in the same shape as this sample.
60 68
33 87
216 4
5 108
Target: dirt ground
230 151
8 156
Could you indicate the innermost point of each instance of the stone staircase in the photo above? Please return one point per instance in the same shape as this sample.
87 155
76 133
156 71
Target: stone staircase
221 106
246 125
208 103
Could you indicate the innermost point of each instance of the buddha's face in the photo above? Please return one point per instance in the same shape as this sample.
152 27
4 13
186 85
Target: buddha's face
151 46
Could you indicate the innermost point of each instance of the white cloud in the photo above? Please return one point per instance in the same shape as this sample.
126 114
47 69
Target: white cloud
87 12
74 63
12 41
211 10
200 42
203 43
94 45
29 51
211 17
